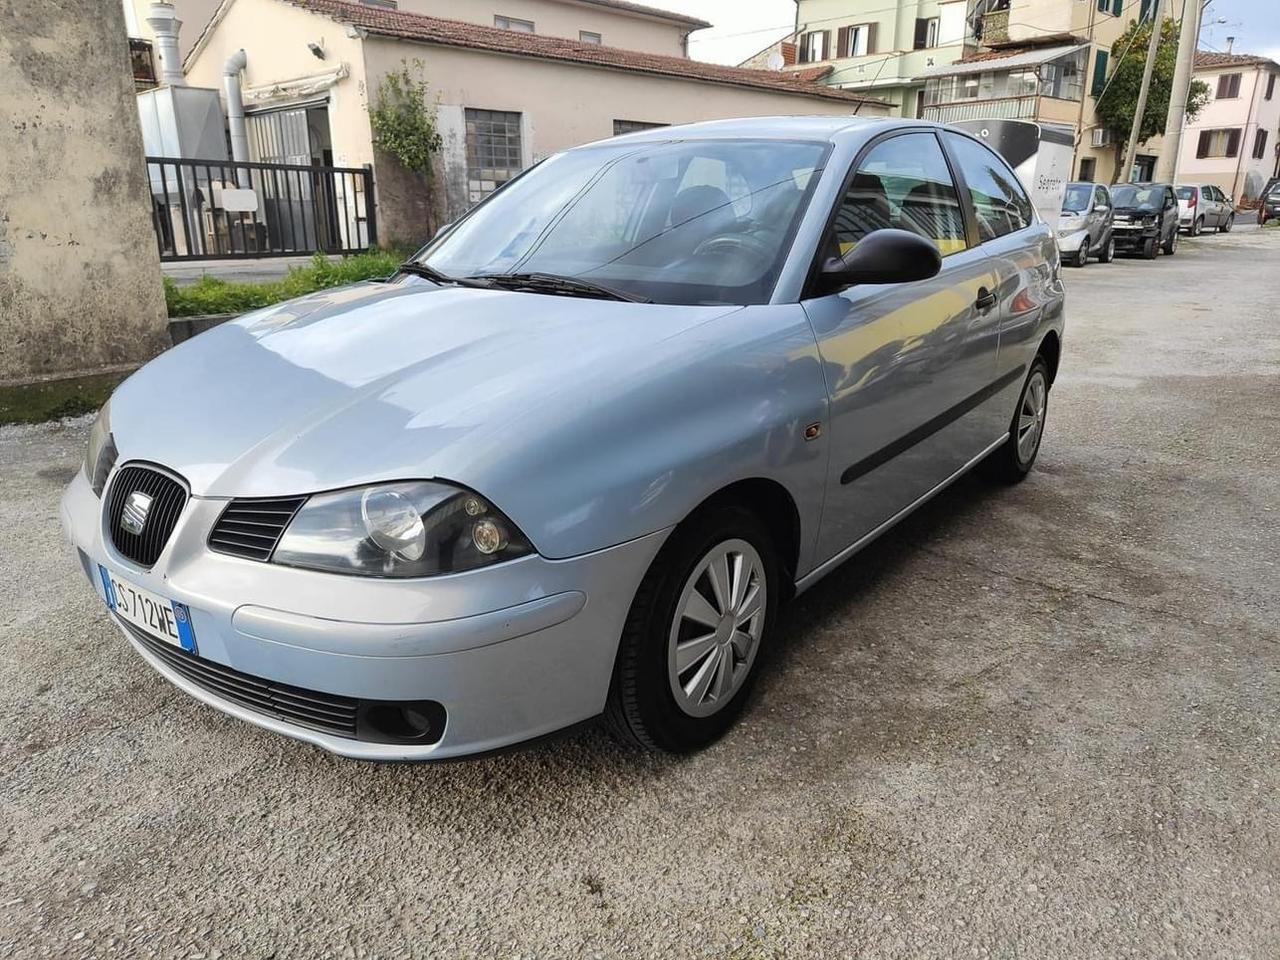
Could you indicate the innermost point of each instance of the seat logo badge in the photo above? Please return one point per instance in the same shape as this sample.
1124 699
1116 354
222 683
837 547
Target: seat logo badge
134 516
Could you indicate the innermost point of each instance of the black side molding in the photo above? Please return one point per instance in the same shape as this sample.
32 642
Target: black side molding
929 428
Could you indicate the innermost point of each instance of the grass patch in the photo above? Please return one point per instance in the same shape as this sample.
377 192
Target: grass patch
55 399
213 295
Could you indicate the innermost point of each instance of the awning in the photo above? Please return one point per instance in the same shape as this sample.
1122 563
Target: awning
1028 58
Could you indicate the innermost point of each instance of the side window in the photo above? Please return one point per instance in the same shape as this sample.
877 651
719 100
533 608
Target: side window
1100 198
998 198
904 183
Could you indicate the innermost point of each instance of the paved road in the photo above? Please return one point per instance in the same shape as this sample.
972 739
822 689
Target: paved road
1038 722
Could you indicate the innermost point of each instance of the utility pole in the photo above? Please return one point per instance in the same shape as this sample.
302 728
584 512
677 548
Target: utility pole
1157 18
1188 40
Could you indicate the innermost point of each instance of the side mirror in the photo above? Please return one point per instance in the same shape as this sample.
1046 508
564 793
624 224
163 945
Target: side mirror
442 230
883 256
1101 208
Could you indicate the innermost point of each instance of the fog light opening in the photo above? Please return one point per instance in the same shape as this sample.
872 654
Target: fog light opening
410 721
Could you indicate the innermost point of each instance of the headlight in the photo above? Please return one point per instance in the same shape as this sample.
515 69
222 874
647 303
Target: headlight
100 455
411 529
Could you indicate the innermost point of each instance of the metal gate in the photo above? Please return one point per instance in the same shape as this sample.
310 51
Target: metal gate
223 209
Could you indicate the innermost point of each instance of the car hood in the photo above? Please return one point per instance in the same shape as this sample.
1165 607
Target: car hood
378 381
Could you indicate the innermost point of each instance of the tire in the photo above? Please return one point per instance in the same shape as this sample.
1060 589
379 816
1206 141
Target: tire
1108 253
1013 460
1150 249
1082 255
1171 245
1226 227
643 708
1197 227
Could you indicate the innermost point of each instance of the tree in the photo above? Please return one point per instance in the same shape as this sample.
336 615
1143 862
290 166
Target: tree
1117 105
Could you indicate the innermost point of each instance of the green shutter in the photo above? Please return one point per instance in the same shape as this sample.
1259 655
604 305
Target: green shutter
1104 5
1117 7
1145 14
1099 73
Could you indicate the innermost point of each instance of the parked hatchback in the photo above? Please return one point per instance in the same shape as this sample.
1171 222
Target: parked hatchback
1204 207
1146 218
1085 228
572 459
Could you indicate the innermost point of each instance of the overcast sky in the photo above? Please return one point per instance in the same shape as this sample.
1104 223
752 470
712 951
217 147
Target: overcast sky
744 26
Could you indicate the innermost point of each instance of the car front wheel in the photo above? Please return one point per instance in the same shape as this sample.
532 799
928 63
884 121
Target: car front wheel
1150 249
689 651
1082 255
1013 460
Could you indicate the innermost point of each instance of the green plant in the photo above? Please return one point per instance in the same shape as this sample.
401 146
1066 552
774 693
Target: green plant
1119 102
212 295
404 124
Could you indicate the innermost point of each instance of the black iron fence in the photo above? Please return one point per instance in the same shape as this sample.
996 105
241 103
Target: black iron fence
224 209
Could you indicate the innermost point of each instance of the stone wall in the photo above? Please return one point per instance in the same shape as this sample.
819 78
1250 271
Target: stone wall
80 284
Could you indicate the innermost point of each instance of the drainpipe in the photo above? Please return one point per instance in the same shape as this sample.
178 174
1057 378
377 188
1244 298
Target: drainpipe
164 23
235 108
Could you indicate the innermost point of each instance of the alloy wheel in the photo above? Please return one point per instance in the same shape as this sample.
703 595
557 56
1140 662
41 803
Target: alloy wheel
716 631
1031 416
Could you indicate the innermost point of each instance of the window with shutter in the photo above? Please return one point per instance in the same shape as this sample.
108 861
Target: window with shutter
1202 148
1228 86
1099 73
842 43
1144 14
871 37
1117 7
1233 143
1271 85
922 34
1260 145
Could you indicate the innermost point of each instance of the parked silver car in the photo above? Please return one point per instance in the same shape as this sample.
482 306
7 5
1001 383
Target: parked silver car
574 456
1204 207
1086 226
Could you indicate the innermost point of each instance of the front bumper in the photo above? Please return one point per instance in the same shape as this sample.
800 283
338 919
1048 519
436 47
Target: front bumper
1070 242
1132 236
511 652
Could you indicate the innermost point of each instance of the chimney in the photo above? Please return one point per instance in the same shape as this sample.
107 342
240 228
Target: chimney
1231 43
164 23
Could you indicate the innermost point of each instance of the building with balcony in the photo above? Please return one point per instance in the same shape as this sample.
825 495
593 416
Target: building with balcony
1042 60
874 47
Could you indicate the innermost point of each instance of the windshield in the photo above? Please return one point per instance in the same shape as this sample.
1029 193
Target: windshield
1078 199
675 222
1185 193
1134 197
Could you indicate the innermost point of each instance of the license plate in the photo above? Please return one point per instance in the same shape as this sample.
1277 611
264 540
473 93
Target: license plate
166 620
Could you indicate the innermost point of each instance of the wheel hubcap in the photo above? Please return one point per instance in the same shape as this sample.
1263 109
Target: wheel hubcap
717 628
1031 417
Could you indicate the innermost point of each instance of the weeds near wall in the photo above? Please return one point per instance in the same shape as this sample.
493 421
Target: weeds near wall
404 121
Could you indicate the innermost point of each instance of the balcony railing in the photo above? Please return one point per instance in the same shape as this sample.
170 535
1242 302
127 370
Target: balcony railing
143 61
1005 108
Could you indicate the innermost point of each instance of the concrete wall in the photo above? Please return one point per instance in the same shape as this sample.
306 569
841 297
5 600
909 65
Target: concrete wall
562 18
1241 176
564 105
79 273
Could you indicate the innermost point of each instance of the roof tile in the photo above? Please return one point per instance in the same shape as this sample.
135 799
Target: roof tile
454 33
1207 59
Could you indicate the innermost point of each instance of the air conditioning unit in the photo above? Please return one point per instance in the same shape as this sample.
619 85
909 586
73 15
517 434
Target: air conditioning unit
1101 137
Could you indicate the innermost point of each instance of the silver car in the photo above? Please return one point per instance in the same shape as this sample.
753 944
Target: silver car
1204 207
1086 226
573 458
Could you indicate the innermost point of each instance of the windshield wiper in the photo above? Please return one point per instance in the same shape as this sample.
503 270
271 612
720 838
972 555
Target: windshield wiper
561 286
435 276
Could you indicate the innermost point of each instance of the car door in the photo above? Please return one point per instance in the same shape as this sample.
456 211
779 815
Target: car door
903 362
1100 218
1171 217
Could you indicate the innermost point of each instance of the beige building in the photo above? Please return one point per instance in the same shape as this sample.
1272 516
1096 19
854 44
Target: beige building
1042 60
79 272
1234 143
505 97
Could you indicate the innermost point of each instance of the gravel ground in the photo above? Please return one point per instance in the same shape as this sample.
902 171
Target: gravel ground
1038 722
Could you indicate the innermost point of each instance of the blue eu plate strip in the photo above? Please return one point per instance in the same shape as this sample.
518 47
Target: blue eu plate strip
106 586
185 634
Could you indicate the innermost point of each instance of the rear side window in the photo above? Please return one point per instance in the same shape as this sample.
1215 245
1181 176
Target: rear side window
998 199
903 183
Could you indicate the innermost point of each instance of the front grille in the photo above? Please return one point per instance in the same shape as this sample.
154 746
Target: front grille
307 708
167 499
252 528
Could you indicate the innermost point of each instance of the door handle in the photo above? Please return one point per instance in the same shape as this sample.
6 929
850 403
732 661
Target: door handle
986 300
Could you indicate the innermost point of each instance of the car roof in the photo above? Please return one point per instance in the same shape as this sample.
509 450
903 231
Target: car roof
772 128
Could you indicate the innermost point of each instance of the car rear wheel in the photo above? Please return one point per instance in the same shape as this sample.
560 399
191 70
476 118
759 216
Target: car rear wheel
1108 251
1082 255
689 651
1226 227
1171 245
1013 460
1197 226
